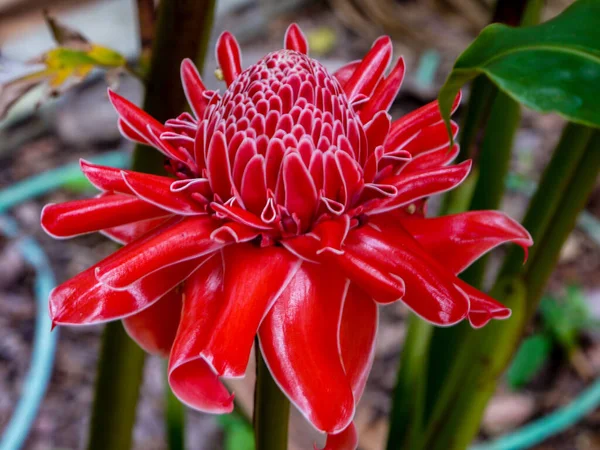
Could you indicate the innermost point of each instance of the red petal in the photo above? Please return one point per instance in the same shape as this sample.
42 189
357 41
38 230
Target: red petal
254 185
382 285
156 190
346 440
104 178
227 299
193 381
300 191
86 216
368 74
416 185
131 133
344 73
173 242
154 328
295 39
299 341
483 307
137 119
83 300
430 138
459 240
193 87
357 337
229 57
125 234
406 127
384 95
376 130
432 159
430 290
218 167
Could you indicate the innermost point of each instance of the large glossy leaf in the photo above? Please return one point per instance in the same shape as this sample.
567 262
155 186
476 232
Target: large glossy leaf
554 66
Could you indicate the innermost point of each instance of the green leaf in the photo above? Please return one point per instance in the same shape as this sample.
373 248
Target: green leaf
565 318
528 361
550 67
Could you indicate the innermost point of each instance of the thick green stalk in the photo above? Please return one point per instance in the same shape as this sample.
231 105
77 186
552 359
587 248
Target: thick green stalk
573 200
556 178
182 31
271 410
477 111
117 390
407 414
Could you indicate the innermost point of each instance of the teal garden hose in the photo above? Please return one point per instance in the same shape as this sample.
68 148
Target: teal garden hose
44 344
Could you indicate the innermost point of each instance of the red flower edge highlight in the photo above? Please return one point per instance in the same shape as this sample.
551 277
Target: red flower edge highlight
294 207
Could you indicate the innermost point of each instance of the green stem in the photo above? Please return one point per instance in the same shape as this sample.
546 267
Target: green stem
117 390
271 410
406 418
573 200
174 419
182 31
477 111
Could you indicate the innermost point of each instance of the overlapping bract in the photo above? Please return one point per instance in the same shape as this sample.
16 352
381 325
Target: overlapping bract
294 206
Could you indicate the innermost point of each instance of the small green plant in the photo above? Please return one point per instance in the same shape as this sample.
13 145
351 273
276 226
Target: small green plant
563 320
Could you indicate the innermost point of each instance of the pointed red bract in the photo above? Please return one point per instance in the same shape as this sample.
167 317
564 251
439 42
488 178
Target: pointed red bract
430 291
194 87
461 239
84 300
168 244
229 57
295 39
86 216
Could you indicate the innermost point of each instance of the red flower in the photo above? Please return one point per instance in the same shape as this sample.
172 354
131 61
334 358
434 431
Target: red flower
295 206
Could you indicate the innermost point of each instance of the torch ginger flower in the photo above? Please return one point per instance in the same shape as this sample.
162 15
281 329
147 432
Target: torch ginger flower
295 207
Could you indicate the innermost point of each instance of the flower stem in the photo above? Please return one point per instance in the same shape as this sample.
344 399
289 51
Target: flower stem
271 410
117 390
406 418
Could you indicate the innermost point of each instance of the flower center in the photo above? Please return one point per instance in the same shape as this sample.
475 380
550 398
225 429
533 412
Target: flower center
284 144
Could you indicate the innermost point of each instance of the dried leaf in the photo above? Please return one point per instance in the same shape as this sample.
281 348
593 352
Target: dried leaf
60 68
65 36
